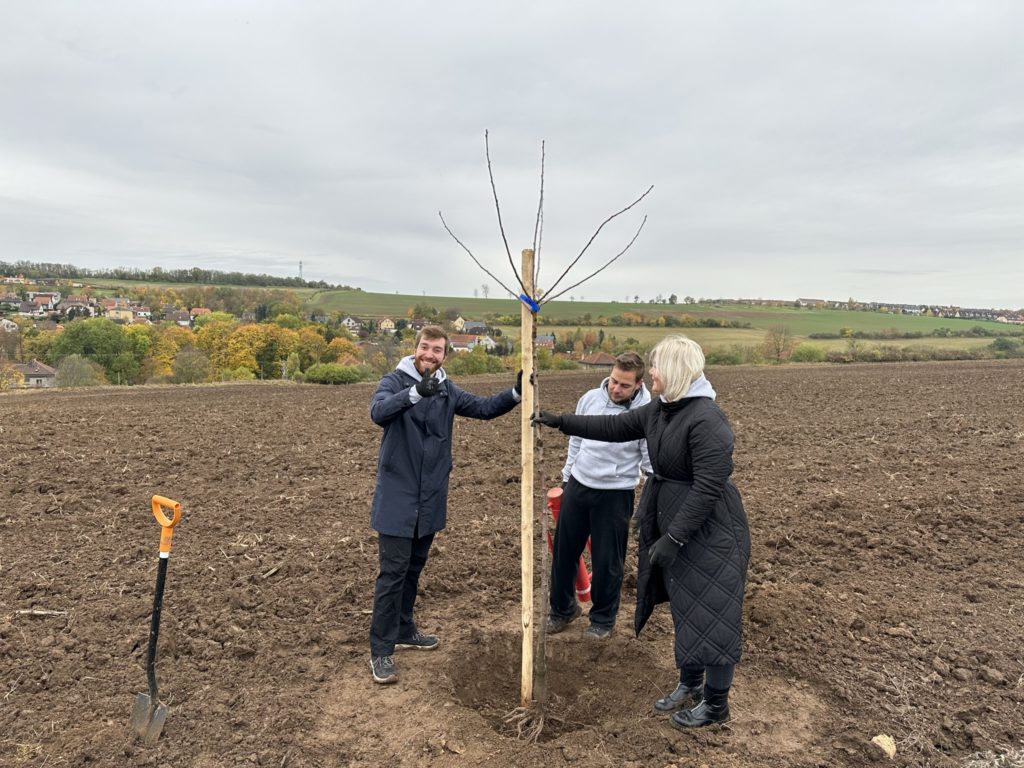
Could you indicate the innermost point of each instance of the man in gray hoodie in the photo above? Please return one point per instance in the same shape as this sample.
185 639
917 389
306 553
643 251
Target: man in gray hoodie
599 482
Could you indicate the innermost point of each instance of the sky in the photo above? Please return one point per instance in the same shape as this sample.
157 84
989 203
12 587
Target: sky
800 149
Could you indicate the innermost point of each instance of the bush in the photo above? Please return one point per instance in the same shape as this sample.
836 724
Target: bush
1005 347
807 353
333 373
735 354
191 366
238 374
563 364
723 357
79 371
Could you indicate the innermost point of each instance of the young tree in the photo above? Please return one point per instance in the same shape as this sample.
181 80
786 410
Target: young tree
778 343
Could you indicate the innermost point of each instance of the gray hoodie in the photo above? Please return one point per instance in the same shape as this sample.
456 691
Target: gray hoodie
606 465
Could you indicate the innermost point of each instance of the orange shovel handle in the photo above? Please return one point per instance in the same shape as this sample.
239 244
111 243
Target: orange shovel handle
166 523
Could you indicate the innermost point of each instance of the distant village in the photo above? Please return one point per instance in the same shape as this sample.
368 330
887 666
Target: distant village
44 303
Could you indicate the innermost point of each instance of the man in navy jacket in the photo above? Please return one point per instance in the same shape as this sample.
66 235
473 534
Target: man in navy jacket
416 404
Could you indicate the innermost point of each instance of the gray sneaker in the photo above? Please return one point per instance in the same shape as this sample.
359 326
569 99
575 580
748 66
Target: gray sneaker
383 668
420 642
556 623
597 633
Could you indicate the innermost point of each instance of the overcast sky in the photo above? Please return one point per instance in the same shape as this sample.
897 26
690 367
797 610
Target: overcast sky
797 149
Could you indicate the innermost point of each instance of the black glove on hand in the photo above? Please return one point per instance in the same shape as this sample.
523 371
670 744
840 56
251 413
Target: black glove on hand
664 551
519 381
428 386
547 419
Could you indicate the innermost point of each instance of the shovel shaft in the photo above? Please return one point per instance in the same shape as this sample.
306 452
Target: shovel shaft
154 628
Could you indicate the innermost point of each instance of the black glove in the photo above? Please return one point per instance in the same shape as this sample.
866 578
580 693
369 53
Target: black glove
664 551
428 386
547 419
519 381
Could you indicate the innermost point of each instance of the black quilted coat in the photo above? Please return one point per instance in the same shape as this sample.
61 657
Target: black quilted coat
692 498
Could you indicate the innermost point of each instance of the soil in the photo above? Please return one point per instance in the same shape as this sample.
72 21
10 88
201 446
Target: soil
885 593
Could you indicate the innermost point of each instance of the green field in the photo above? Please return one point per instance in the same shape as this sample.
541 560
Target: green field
560 317
719 338
801 322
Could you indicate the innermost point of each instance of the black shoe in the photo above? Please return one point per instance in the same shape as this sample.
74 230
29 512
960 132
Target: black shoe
683 696
420 642
383 668
713 708
557 623
597 633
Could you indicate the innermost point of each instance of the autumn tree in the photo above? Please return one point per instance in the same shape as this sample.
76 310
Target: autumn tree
261 348
10 377
312 347
212 338
168 340
39 345
778 343
213 317
341 350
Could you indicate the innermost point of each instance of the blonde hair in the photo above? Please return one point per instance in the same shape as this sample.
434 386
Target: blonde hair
679 361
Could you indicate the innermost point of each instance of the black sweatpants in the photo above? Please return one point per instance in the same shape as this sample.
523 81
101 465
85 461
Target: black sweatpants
394 595
604 516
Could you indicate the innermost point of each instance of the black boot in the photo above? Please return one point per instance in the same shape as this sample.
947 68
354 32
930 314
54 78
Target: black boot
714 708
686 694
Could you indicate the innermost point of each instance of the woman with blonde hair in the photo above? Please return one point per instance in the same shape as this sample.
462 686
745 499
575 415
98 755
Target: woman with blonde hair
694 542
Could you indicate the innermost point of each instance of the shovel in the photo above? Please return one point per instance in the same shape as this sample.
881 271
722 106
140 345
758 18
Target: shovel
148 714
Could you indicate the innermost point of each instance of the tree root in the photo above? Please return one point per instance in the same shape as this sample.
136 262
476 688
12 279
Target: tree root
528 723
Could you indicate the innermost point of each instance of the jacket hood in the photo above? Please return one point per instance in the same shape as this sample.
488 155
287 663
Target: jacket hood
699 387
406 365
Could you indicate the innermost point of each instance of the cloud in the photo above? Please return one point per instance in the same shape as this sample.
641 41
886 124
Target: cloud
871 149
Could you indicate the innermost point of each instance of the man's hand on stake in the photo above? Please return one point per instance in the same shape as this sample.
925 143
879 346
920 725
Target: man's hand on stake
519 381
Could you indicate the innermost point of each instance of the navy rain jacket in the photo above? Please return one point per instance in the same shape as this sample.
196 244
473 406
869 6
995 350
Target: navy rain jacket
415 459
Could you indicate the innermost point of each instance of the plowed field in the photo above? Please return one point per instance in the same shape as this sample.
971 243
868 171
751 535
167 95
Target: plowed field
885 595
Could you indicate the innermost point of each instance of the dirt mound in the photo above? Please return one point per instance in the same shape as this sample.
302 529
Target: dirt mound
884 596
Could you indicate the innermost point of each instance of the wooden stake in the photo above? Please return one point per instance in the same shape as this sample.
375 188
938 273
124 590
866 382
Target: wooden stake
526 329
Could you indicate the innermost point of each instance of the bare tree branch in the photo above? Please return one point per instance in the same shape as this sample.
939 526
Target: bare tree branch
495 279
538 227
591 240
497 207
546 298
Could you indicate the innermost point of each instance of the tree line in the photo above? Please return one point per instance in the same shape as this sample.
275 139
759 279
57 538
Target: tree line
47 271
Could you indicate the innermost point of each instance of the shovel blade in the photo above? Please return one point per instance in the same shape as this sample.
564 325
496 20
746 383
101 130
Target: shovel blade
148 720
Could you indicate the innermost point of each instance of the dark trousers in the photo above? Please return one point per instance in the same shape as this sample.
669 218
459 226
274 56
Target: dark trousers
394 595
603 515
